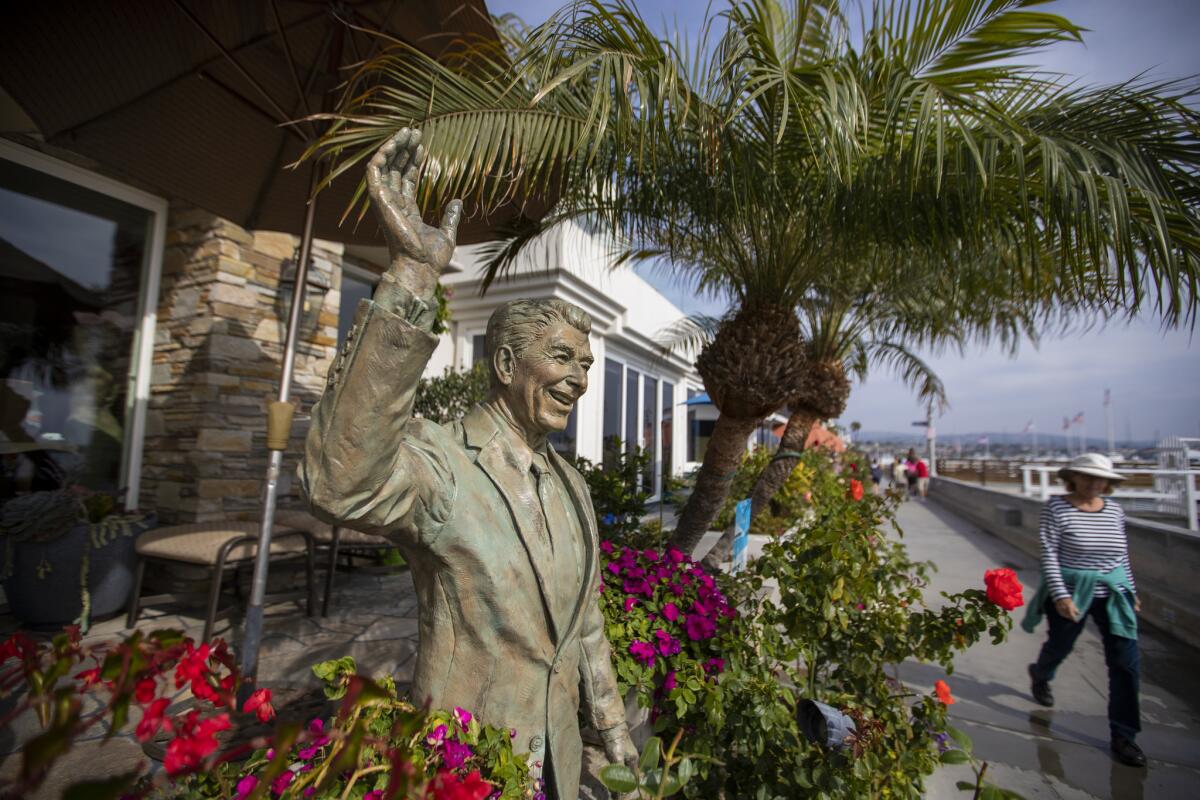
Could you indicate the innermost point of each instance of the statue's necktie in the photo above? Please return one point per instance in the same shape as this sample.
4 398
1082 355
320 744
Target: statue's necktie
562 534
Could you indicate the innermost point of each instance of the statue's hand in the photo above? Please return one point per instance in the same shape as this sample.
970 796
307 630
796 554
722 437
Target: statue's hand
620 749
418 252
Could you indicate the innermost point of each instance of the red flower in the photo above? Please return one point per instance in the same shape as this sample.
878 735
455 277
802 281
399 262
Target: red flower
145 690
855 492
195 741
260 702
448 786
152 719
1003 588
942 690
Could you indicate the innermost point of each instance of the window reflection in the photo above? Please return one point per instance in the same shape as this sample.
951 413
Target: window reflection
71 262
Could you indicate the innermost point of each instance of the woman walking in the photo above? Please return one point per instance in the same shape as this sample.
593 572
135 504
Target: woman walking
1086 572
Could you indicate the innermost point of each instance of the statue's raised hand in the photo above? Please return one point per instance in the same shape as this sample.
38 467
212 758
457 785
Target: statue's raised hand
418 252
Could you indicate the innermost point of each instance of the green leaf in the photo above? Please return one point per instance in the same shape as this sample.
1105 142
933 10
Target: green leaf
966 786
960 738
650 754
102 789
955 757
619 778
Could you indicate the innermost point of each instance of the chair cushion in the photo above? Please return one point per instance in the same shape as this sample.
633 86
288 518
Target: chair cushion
322 532
200 542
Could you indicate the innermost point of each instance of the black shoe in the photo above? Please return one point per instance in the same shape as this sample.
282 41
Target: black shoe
1040 690
1127 752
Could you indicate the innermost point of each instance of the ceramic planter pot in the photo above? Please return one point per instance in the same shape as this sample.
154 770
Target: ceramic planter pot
56 598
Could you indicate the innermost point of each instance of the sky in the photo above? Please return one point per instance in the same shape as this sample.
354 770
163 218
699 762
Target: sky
1153 375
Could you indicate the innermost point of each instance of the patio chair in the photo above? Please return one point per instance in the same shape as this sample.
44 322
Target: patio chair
217 545
339 541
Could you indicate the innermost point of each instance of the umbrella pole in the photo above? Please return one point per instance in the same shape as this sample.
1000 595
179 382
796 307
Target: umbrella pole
278 427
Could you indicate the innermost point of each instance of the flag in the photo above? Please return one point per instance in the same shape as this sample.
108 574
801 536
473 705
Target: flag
1078 419
1029 426
1107 398
1066 424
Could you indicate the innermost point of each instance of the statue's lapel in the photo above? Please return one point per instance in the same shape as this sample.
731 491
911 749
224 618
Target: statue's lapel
591 542
503 465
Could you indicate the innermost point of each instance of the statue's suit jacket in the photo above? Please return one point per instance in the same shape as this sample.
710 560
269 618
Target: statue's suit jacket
457 501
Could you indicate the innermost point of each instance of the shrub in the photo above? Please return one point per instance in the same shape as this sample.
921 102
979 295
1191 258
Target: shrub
821 615
618 498
449 397
377 745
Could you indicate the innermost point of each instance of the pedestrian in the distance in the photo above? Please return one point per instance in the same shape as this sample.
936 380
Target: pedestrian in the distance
910 467
922 478
876 476
900 476
1086 572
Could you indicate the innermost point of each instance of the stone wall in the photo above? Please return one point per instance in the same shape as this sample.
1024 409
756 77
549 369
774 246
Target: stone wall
1165 558
217 357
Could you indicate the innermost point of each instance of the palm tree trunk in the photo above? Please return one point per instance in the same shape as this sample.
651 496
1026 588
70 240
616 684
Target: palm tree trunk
799 424
721 461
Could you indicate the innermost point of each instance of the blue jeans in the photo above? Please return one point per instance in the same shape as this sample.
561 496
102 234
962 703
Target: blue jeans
1120 654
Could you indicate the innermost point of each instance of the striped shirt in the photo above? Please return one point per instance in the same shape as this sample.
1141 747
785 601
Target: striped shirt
1093 540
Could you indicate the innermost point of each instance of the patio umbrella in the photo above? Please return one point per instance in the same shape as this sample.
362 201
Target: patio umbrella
195 99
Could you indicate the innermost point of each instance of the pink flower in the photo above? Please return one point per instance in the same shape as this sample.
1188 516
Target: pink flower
374 794
614 567
699 628
606 546
714 666
456 754
463 716
437 736
280 784
630 602
676 555
668 645
650 555
642 651
245 786
670 612
669 681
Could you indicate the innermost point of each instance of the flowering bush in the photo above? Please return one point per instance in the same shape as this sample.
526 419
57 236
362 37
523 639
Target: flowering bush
663 613
821 614
618 497
377 746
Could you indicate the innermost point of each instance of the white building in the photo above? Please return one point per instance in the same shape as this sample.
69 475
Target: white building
637 390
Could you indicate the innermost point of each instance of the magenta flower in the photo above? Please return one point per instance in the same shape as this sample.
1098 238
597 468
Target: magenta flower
280 784
699 628
456 754
670 612
714 666
606 546
374 794
614 567
630 602
438 736
669 681
463 716
642 651
245 786
676 555
650 555
668 645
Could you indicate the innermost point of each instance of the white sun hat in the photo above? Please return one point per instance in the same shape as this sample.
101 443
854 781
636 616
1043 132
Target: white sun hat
1091 464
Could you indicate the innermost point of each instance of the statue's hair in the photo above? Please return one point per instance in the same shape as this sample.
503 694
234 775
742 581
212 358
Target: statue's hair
519 323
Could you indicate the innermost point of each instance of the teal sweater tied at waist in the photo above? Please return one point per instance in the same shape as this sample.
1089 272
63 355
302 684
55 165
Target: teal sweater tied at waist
1122 620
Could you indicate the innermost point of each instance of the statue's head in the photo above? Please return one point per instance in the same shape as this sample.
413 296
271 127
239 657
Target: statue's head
539 354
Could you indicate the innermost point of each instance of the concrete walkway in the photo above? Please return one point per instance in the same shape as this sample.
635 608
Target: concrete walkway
1060 752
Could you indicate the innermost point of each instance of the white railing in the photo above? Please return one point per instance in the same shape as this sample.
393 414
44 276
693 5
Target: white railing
1174 490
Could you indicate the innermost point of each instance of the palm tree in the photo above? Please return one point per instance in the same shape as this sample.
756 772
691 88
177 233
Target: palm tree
791 147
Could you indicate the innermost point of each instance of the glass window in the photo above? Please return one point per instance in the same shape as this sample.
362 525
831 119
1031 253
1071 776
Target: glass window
649 430
668 414
611 430
478 348
631 409
71 266
693 427
355 287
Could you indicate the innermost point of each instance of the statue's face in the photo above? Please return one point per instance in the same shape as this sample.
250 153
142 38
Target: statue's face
548 378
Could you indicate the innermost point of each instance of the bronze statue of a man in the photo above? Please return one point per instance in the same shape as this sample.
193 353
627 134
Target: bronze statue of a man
498 529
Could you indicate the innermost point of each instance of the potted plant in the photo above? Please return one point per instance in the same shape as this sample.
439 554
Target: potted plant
68 555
